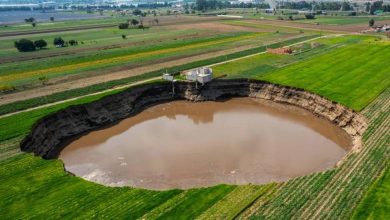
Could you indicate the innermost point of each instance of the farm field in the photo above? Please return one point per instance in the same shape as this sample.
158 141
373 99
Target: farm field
375 204
316 75
333 17
346 68
214 201
345 20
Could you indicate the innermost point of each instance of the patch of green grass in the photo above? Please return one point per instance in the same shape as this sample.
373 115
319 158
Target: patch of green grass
344 20
21 105
352 75
34 188
350 69
376 203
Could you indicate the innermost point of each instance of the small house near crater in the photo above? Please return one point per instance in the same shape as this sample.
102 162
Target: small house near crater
202 75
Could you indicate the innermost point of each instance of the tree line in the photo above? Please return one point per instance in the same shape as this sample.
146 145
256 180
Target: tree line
206 5
26 45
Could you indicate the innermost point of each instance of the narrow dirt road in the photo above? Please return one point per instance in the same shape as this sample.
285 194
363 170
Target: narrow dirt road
67 84
132 84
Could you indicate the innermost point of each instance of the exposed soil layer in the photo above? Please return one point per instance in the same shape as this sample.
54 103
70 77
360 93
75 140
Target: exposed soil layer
184 144
53 132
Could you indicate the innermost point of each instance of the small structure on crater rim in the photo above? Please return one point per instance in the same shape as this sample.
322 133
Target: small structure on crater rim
201 75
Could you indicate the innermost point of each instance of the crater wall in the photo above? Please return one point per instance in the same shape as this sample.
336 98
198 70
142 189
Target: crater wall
53 132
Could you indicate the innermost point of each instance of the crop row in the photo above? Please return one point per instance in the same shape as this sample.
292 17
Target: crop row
334 194
21 105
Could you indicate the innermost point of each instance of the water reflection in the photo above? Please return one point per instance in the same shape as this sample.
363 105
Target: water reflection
183 144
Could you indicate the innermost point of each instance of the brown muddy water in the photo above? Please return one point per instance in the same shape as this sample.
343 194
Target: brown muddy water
183 144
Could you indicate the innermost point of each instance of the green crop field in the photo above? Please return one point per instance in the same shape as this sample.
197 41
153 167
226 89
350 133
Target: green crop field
337 74
94 38
376 204
344 20
42 188
347 69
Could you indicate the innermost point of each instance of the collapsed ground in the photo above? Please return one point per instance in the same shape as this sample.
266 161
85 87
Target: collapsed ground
34 185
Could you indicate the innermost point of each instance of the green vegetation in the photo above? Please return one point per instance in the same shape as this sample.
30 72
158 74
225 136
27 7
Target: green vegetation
349 69
376 204
337 74
25 73
34 185
353 80
12 107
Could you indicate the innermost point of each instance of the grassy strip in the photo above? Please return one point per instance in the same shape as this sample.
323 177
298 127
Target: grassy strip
112 55
340 75
25 104
19 125
376 203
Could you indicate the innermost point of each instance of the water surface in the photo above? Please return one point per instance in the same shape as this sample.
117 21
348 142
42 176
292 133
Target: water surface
183 144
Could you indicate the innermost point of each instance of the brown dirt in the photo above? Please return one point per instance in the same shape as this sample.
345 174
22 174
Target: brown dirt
214 26
352 28
67 83
24 57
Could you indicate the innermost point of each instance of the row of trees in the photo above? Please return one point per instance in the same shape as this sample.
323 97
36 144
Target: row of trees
25 45
333 6
205 5
32 20
378 5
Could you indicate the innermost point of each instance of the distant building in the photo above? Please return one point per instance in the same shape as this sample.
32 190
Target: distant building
201 75
283 50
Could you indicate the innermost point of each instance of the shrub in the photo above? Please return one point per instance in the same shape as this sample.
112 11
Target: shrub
123 25
73 42
40 44
58 42
134 22
310 16
123 36
371 22
31 19
24 45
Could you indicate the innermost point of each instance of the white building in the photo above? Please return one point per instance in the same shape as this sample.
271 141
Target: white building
201 75
167 77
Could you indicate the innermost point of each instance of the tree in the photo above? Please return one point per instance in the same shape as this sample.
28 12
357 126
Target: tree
310 16
123 25
58 42
371 22
137 12
29 20
134 22
24 45
52 19
40 44
123 36
33 24
73 42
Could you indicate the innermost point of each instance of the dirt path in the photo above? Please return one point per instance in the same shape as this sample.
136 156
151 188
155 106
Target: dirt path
163 21
350 28
70 51
68 84
39 92
79 97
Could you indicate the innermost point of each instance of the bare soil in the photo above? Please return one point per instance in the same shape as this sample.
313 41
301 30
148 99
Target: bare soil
74 81
352 28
